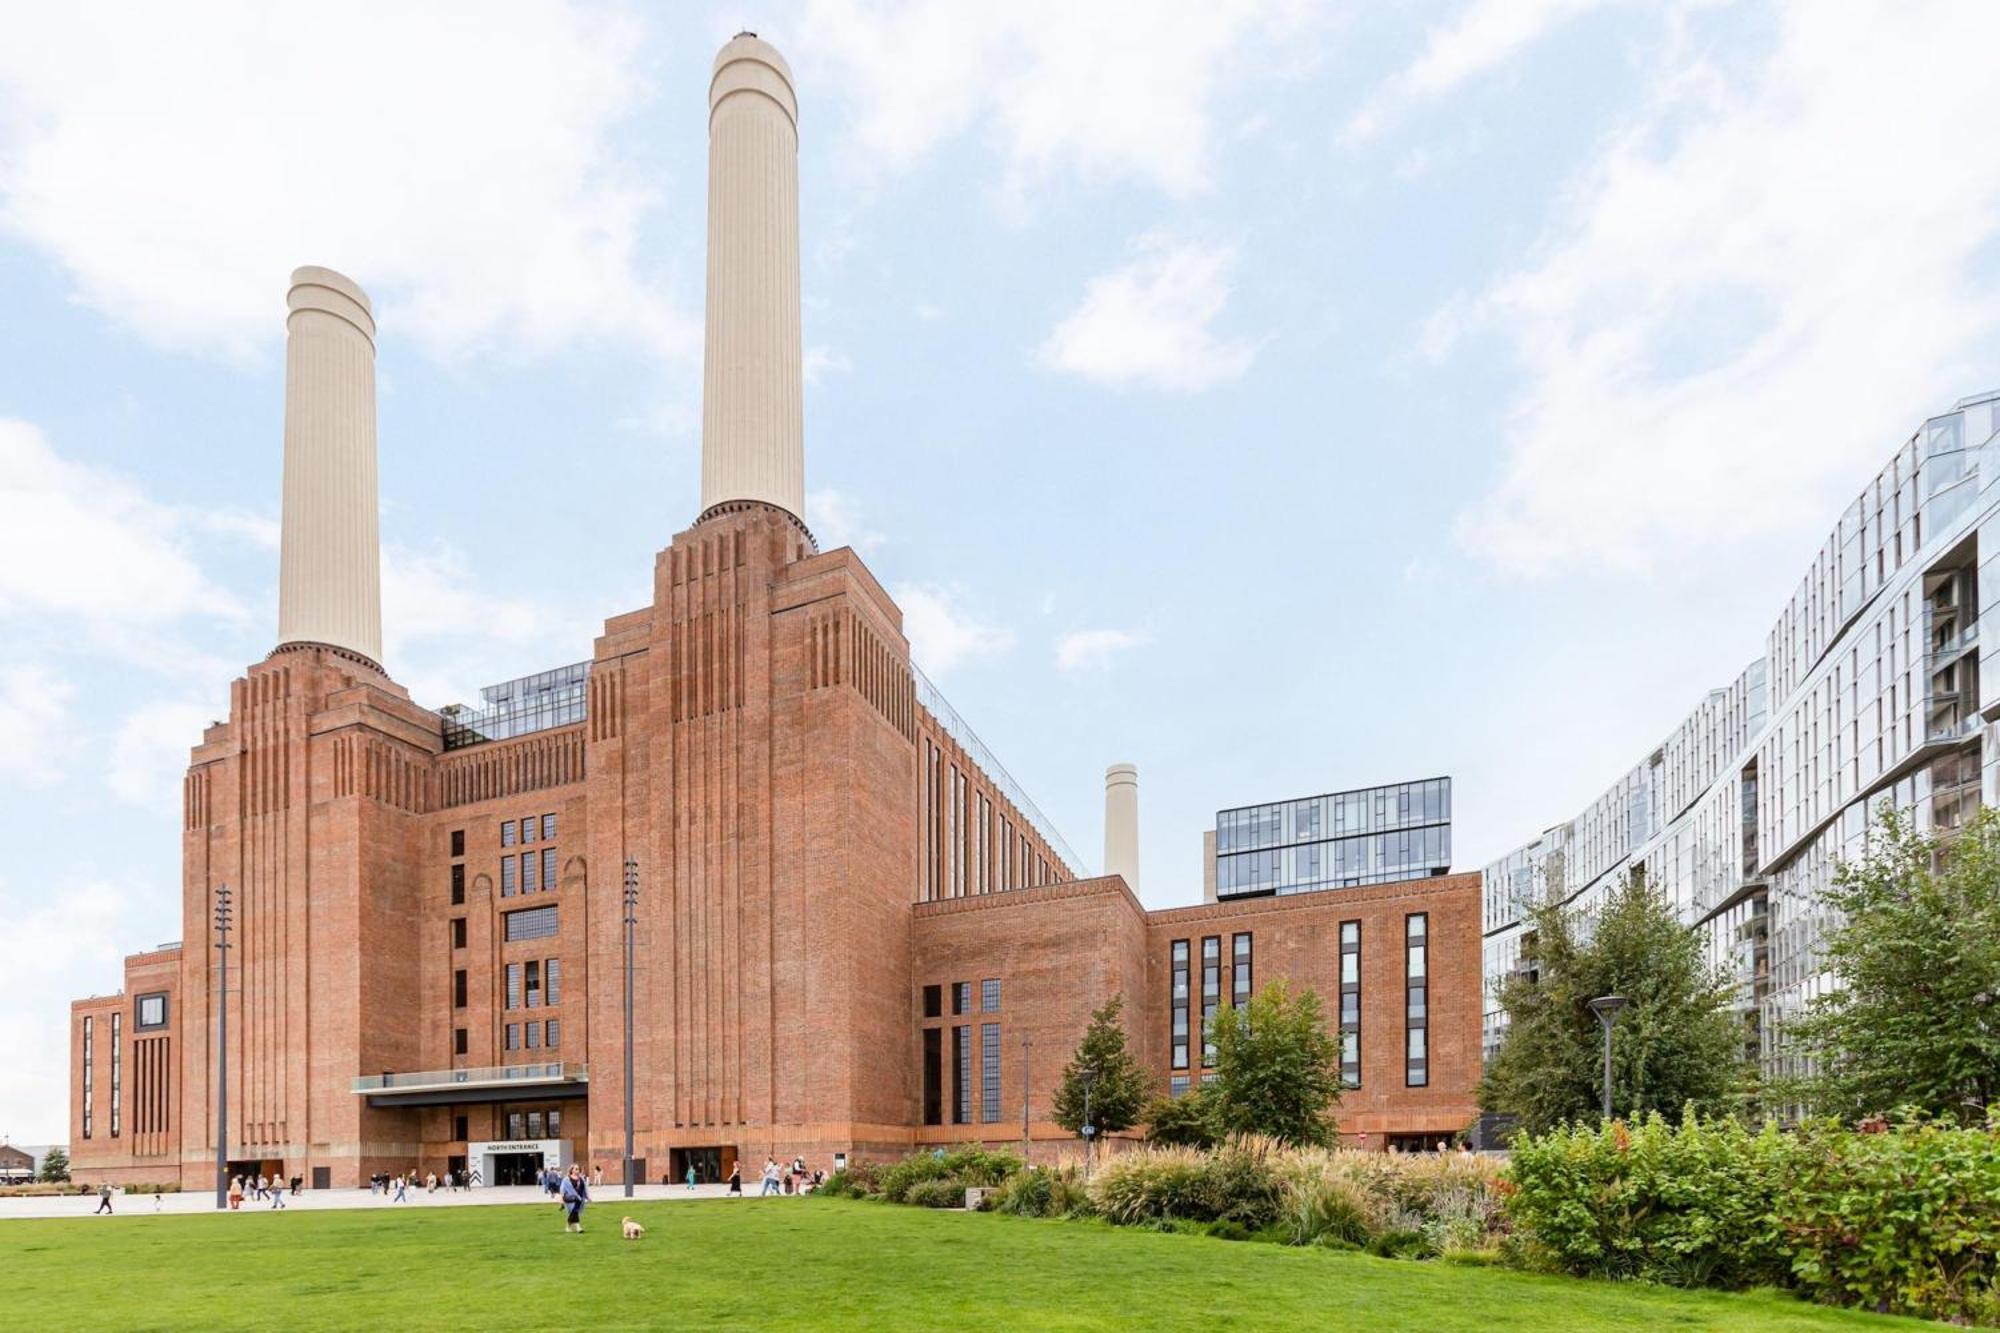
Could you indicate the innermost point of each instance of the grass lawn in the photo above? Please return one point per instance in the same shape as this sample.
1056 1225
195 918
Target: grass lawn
784 1263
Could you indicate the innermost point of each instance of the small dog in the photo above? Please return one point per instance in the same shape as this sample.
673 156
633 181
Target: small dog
633 1230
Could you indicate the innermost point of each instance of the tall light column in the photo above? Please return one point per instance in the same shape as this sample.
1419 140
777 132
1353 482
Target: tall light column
752 404
1121 823
329 560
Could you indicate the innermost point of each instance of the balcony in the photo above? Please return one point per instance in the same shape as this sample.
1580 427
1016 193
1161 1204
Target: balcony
484 1083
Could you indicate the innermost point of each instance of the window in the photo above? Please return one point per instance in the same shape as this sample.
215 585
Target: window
989 1072
513 1036
1416 1011
506 877
150 1011
548 869
507 834
552 980
534 983
1350 1003
933 1076
534 1124
548 828
555 1119
517 1125
1177 1086
534 1036
458 849
458 932
961 997
117 1067
530 880
89 1054
961 1086
457 885
461 1127
459 1040
933 1001
527 830
1178 1001
989 995
1239 990
552 1033
1211 994
513 985
532 923
458 990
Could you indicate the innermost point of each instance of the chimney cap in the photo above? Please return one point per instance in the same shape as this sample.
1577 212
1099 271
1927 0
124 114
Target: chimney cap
312 275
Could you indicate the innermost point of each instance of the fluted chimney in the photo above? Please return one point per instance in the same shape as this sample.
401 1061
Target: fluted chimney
752 411
329 558
1121 823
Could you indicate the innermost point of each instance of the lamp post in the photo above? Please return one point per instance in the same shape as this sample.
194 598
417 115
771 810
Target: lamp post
631 927
1606 1008
1024 1098
1089 1079
222 1046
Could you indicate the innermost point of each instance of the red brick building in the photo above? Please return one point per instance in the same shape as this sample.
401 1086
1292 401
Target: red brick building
851 936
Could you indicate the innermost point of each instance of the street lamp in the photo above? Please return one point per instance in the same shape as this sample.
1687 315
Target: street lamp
222 1046
1024 1098
631 927
1089 1079
1606 1008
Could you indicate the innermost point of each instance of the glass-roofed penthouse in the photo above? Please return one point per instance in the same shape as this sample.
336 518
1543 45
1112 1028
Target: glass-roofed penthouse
1373 835
553 698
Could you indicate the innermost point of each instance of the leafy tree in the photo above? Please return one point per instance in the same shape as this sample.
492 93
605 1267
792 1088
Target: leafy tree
1189 1120
55 1165
1276 1067
1915 945
1120 1087
1676 1045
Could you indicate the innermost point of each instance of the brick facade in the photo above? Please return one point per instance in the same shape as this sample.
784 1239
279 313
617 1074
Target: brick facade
814 848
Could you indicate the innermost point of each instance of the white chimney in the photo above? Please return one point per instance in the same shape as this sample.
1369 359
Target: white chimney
752 413
329 557
1121 823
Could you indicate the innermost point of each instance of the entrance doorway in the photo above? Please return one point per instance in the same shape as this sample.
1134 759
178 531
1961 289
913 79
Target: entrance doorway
516 1168
711 1165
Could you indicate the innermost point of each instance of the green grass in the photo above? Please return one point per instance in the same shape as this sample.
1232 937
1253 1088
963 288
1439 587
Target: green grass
786 1263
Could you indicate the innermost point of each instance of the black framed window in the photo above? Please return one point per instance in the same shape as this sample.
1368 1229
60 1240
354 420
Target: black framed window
1177 999
507 833
458 884
1211 994
1240 982
533 983
89 1071
933 1001
527 830
961 997
149 1011
961 1084
1416 1000
460 1039
933 1076
458 932
548 869
458 990
117 1067
989 1072
458 849
1350 1003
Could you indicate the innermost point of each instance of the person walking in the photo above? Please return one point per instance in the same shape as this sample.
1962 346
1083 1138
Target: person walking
235 1193
277 1191
431 1183
401 1197
103 1199
770 1177
736 1180
597 1174
690 1176
575 1194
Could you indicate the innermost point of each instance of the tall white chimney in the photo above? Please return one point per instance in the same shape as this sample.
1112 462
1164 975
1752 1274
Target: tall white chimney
1121 823
329 557
752 412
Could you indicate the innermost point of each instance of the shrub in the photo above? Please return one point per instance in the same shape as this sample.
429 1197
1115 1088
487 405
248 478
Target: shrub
935 1194
1397 1243
1904 1221
1328 1204
1689 1205
1186 1121
1026 1195
1155 1183
963 1166
842 1184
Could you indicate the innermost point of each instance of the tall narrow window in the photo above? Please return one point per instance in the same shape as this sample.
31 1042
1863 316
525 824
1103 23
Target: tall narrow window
961 997
933 1001
1350 1003
954 881
548 828
548 869
1240 983
961 1084
458 932
989 1072
534 1036
1211 994
552 980
506 877
933 1076
527 830
89 1071
513 1036
458 989
530 879
989 995
1416 978
534 983
554 1027
457 884
459 1041
458 843
1178 1003
513 985
117 1067
507 833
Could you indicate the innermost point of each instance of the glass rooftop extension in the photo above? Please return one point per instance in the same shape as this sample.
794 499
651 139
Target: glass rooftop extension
553 698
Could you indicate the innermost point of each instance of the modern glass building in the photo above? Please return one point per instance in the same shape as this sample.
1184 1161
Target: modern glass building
1870 693
1374 835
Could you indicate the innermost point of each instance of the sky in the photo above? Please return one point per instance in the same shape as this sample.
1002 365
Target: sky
1282 397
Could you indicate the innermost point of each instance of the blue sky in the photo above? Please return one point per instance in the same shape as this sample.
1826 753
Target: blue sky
1282 397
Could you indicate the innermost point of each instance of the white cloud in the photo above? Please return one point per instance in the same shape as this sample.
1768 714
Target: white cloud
1123 89
179 162
1093 649
943 635
1484 35
149 755
821 362
437 620
1147 321
35 736
82 541
1756 289
836 520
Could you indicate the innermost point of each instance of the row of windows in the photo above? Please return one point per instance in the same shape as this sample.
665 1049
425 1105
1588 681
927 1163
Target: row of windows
527 1125
961 1074
1416 982
535 1035
89 1068
117 1068
531 984
961 998
1369 810
1001 855
1211 992
1373 858
536 873
1350 1003
523 832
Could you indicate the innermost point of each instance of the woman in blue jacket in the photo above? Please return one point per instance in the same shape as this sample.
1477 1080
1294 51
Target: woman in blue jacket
575 1194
